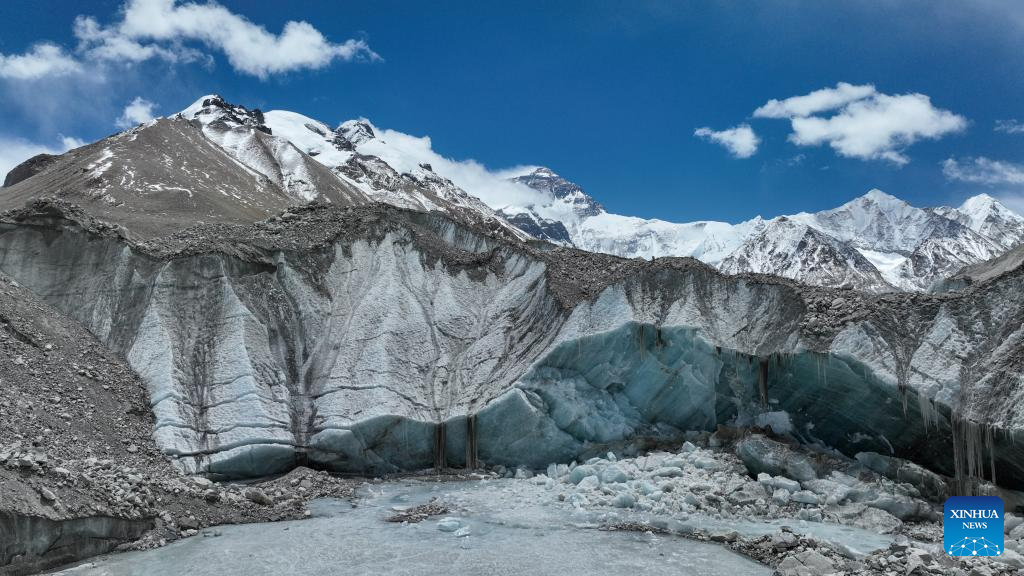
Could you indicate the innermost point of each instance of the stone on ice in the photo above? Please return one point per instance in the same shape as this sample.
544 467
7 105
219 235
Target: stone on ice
580 472
748 493
1011 521
862 516
809 514
624 500
577 500
761 454
646 488
613 474
1011 558
902 507
784 540
667 472
778 482
557 471
781 495
805 497
808 563
589 483
833 492
930 484
706 463
675 462
258 496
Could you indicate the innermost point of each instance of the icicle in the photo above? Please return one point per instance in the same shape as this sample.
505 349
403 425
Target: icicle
929 415
471 451
762 380
970 442
440 459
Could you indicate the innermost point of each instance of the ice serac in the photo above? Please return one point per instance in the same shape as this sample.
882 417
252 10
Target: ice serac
379 339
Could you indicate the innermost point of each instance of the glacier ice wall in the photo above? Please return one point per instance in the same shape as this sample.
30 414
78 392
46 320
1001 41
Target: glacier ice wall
383 353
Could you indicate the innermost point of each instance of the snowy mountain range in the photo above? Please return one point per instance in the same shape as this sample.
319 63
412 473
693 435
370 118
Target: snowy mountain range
876 242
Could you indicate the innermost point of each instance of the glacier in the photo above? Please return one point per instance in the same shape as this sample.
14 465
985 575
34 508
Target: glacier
374 339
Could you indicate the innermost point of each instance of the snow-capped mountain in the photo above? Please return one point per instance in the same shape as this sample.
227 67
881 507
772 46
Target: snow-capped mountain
245 136
545 180
912 247
789 248
234 163
165 176
306 157
351 153
986 216
875 242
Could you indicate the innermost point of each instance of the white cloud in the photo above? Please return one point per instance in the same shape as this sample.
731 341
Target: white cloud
405 153
151 29
740 140
866 124
1010 126
138 111
983 170
249 47
14 151
42 60
817 101
878 127
101 44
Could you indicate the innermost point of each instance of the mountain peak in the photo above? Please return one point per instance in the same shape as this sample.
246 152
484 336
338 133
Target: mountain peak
980 203
545 180
983 206
357 131
879 197
213 108
203 102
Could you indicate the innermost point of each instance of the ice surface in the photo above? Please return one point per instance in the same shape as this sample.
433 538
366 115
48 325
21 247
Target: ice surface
251 366
507 527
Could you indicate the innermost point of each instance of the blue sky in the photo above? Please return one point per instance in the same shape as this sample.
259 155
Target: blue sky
609 94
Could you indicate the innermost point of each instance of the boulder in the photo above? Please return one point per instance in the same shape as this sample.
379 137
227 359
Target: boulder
760 454
807 563
928 483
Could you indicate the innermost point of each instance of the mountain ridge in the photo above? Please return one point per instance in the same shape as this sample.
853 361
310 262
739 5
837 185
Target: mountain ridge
875 242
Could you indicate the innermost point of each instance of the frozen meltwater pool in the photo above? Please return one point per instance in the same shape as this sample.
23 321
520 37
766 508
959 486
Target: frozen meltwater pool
513 527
